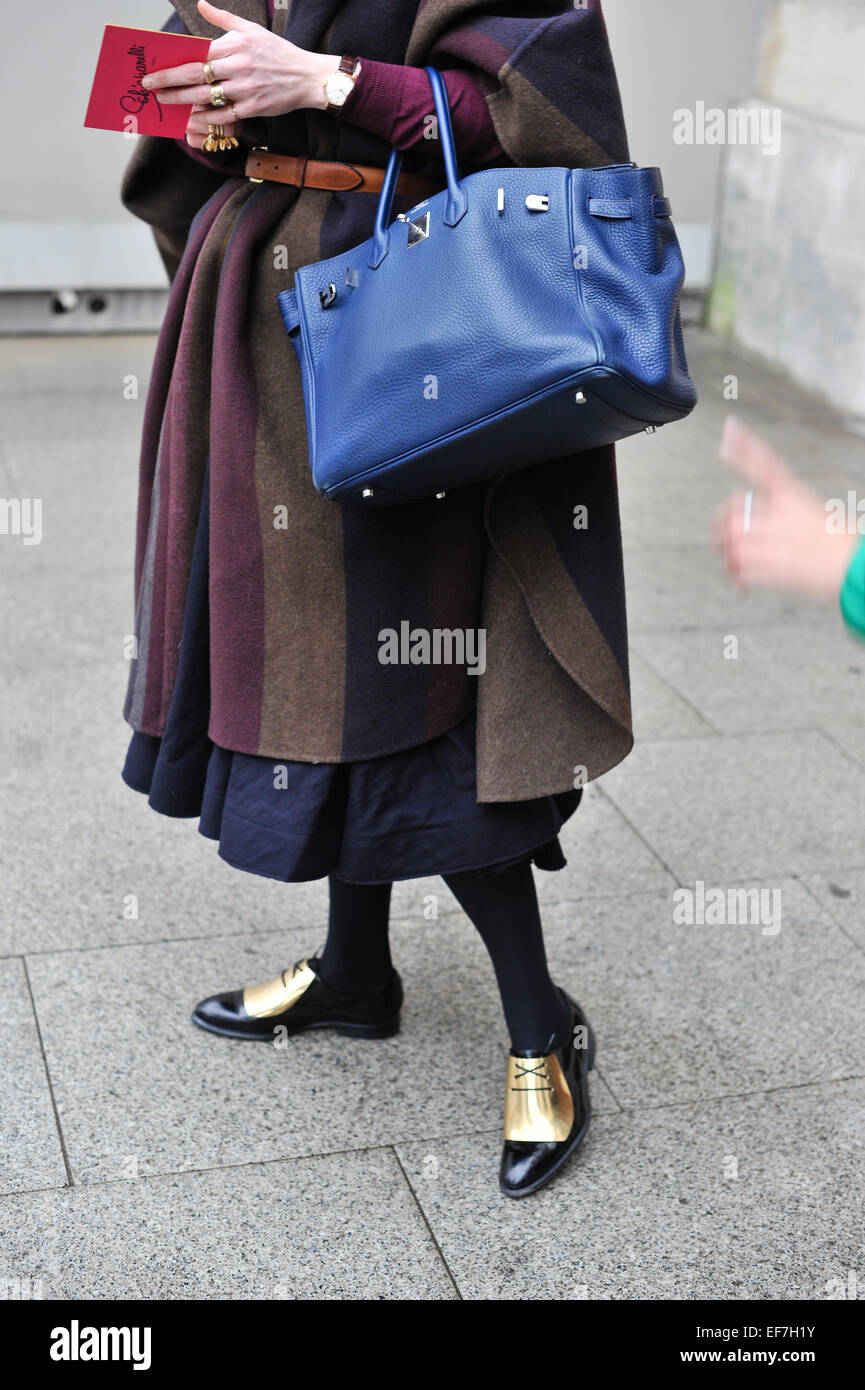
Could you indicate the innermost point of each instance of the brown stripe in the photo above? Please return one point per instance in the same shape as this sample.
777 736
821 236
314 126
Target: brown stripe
433 16
185 445
553 695
304 655
518 531
535 724
236 561
534 131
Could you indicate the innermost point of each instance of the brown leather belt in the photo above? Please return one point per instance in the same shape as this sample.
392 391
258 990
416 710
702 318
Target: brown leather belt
331 174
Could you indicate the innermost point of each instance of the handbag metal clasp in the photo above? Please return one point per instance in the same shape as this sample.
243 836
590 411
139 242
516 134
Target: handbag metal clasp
538 202
418 229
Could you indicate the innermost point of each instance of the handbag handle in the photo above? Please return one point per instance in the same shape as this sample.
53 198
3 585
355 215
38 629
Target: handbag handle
457 202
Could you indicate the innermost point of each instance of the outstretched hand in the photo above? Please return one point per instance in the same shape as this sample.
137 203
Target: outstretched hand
777 535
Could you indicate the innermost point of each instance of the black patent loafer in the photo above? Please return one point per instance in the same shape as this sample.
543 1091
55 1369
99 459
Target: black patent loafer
296 1001
546 1108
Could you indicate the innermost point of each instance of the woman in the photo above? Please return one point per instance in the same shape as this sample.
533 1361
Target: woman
259 696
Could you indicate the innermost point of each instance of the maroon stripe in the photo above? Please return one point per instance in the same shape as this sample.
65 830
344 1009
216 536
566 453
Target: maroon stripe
481 50
237 585
171 552
169 402
163 363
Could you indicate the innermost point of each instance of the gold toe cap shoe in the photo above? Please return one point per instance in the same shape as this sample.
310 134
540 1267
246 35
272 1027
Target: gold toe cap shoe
546 1108
296 1001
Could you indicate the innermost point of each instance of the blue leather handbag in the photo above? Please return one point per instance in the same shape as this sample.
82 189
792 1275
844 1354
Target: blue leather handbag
519 315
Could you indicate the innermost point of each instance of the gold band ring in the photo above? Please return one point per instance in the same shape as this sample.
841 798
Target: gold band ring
208 73
217 94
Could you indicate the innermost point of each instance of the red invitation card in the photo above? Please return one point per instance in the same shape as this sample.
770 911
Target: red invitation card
117 99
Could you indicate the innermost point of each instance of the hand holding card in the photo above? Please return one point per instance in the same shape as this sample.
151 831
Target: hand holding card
118 101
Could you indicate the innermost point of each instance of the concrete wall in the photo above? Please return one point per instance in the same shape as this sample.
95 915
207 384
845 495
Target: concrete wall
790 283
60 220
671 54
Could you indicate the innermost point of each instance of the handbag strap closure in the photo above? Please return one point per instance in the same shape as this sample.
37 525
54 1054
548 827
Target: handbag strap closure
456 203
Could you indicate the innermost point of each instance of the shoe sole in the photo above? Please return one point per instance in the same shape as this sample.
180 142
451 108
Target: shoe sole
347 1030
569 1151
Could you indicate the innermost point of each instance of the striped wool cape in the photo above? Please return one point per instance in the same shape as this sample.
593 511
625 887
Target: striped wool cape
301 587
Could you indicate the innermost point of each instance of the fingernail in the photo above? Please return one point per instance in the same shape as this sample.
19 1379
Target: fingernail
147 81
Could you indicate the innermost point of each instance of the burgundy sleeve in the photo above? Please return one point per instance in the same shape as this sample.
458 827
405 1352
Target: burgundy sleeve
394 101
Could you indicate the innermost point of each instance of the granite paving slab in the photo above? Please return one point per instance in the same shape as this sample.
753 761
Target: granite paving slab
753 1198
685 1010
137 1084
758 805
343 1226
842 895
801 676
30 1152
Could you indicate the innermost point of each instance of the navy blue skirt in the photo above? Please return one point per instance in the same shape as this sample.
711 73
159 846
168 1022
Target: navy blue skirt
406 815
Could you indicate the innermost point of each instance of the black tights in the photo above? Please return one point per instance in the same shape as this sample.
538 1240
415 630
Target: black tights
504 908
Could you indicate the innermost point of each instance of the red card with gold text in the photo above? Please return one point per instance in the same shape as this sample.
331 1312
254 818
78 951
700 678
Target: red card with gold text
117 99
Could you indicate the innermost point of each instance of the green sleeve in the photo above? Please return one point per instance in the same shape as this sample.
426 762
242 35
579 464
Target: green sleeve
853 593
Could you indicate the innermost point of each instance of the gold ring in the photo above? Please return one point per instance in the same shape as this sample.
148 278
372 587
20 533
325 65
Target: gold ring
217 142
208 73
217 94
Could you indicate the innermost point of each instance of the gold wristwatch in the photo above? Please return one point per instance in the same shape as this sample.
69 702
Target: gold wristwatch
339 84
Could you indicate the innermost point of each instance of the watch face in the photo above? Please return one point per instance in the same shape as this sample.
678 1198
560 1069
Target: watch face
337 88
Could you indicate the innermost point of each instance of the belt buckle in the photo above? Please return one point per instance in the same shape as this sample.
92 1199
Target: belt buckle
257 149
